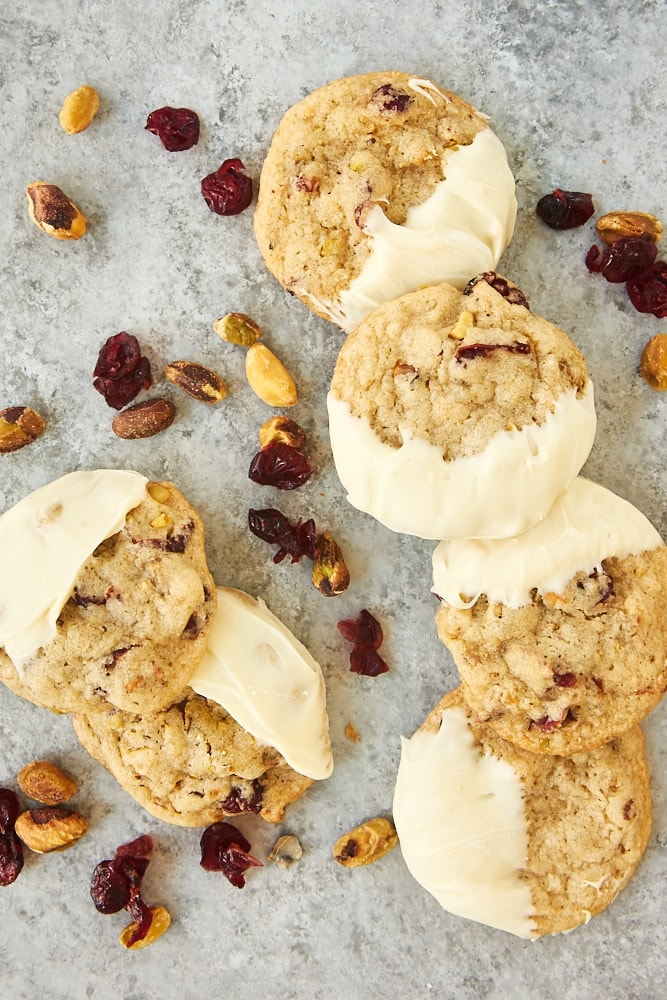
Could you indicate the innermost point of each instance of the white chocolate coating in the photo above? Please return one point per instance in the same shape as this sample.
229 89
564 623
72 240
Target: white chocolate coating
458 232
462 826
44 541
499 492
268 682
585 525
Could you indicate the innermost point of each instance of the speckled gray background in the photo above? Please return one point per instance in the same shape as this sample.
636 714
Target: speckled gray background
577 92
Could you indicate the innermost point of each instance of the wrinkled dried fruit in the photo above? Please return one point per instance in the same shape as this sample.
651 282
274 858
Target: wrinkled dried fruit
653 365
177 128
330 574
131 936
294 541
236 802
50 828
11 857
225 849
565 209
387 100
53 212
626 258
286 851
366 843
9 810
46 782
281 466
469 352
144 419
227 191
501 285
613 225
199 382
281 429
121 371
648 292
19 426
237 328
116 885
268 377
78 110
367 662
362 631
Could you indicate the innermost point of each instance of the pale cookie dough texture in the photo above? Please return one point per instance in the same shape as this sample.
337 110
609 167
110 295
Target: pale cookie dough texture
529 844
559 635
459 414
379 184
192 764
131 614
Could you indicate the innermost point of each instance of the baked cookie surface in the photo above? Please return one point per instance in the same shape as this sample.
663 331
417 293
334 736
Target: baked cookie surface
531 844
459 414
135 621
378 184
559 636
192 764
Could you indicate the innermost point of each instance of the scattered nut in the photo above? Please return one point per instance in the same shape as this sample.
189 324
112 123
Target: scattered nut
78 110
352 733
286 851
50 828
366 843
614 225
45 781
268 377
199 382
237 328
19 425
465 321
283 430
330 574
160 492
653 365
53 212
144 419
159 924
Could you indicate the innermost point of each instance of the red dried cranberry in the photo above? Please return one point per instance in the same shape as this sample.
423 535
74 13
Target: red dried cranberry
565 209
648 291
110 887
116 884
363 631
121 371
225 849
469 352
367 662
236 802
546 724
177 128
227 191
280 465
390 101
624 259
500 285
294 541
566 680
11 857
9 810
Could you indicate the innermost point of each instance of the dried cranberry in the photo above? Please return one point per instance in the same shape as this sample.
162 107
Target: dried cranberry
648 291
565 209
177 128
294 541
280 465
500 285
624 259
390 101
236 802
469 352
110 887
9 810
11 857
363 631
116 884
227 191
121 371
367 662
566 680
225 849
546 724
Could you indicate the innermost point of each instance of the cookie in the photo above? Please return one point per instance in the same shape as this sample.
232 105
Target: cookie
459 414
529 844
559 635
376 185
105 594
192 764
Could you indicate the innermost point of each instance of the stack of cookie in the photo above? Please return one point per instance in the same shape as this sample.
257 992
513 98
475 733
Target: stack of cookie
108 611
457 414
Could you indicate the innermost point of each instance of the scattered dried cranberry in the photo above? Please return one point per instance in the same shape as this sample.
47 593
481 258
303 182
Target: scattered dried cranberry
227 191
121 370
367 662
390 101
9 810
295 541
362 631
469 352
11 848
116 884
648 292
565 209
626 258
280 465
177 128
225 849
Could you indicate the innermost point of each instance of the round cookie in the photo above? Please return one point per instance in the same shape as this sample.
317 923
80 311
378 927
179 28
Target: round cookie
192 764
123 622
459 414
530 844
376 185
559 635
